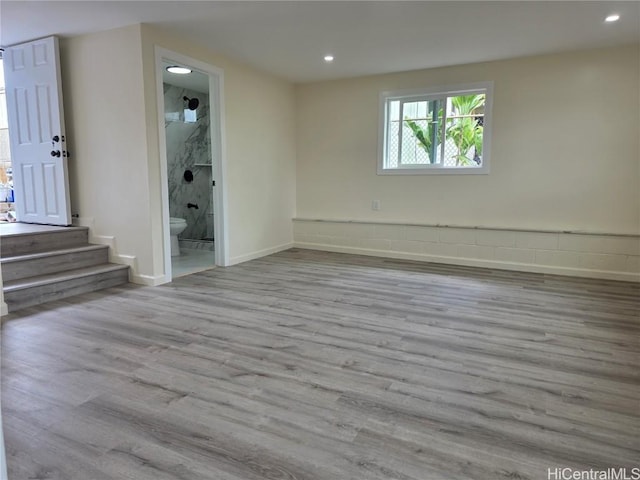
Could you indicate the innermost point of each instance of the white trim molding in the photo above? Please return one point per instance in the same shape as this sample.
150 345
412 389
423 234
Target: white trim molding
218 151
260 253
120 258
595 255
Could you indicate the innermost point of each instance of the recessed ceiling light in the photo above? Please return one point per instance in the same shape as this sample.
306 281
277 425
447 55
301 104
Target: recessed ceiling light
614 17
178 70
328 58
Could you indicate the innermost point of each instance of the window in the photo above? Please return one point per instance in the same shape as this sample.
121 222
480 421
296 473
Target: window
444 130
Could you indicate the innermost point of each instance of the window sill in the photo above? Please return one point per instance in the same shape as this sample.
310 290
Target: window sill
484 170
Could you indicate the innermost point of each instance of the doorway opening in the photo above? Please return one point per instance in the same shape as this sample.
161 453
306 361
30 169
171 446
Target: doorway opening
192 164
7 208
189 170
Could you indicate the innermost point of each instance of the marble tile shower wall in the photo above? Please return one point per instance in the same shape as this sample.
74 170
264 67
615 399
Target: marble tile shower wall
188 147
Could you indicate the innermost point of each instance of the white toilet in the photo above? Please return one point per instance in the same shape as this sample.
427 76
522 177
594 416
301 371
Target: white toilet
176 227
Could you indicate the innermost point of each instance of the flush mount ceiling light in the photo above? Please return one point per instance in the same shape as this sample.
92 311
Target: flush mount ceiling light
614 17
328 58
178 70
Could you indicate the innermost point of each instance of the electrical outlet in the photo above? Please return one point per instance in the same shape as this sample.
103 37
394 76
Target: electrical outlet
375 205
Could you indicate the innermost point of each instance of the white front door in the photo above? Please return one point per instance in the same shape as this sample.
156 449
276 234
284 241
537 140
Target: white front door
36 131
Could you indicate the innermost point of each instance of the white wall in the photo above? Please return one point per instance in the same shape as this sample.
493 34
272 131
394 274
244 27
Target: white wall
260 144
565 157
614 257
110 102
106 131
564 148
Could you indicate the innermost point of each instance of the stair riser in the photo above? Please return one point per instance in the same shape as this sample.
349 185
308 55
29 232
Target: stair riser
23 244
28 297
53 264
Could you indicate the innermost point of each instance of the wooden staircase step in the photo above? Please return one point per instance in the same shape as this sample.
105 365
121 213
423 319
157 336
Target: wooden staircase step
19 241
39 289
42 263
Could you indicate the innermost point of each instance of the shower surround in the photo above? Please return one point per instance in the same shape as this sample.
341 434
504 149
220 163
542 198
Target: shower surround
189 148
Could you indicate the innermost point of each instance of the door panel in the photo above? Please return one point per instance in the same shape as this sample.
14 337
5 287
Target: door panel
40 54
21 111
51 193
27 185
16 61
43 96
36 117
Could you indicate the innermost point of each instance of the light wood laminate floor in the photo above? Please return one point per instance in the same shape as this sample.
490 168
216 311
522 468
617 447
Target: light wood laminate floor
311 365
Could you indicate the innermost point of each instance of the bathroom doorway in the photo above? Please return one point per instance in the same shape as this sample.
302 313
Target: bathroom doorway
189 104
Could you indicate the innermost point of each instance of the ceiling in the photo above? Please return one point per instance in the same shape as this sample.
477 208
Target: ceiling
289 39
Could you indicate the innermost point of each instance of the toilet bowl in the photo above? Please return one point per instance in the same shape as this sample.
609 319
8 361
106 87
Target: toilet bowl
176 227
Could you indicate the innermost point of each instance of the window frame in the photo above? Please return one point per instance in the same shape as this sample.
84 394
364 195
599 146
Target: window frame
430 94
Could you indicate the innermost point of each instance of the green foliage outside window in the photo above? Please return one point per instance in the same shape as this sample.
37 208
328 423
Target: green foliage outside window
464 129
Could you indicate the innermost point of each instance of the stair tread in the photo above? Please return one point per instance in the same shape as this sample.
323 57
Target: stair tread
28 229
39 280
23 239
51 253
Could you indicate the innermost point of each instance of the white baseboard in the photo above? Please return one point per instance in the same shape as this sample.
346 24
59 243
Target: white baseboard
4 309
469 262
120 258
258 254
134 276
148 280
606 255
103 240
